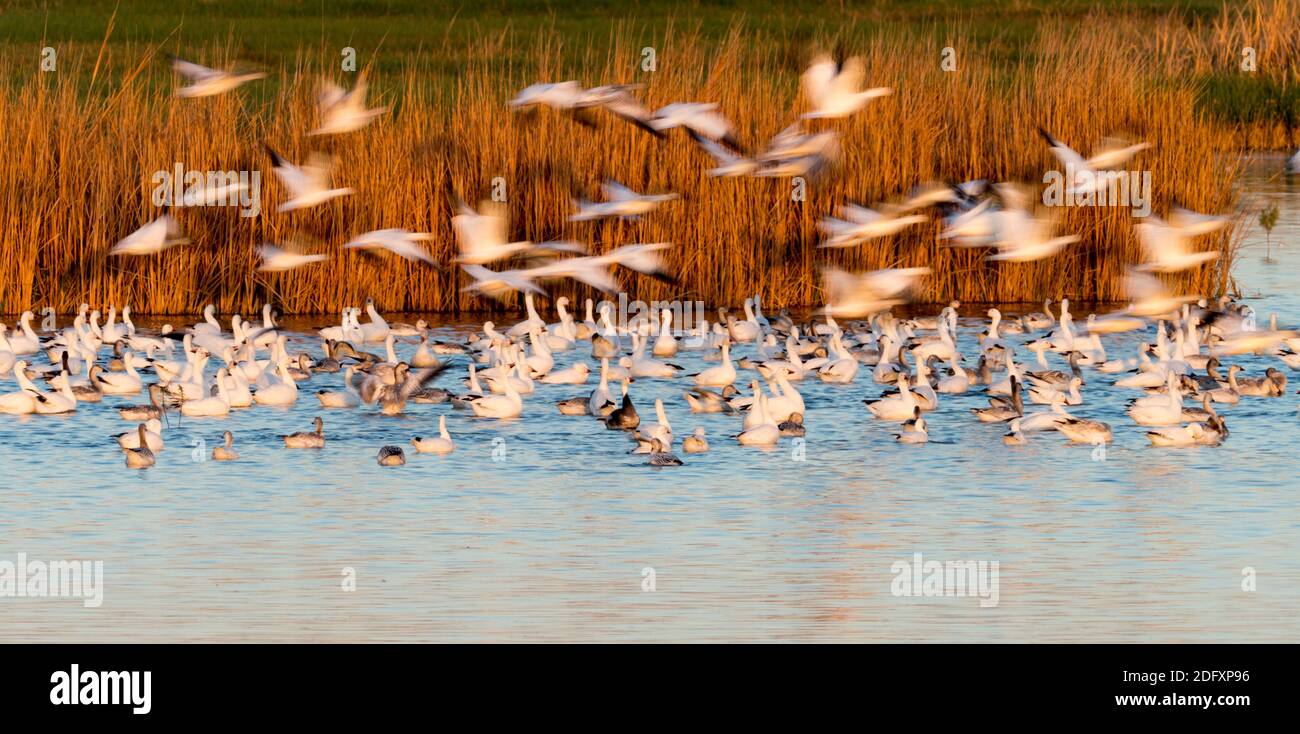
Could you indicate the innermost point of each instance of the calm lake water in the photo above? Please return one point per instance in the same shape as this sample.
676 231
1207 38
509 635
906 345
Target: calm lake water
550 544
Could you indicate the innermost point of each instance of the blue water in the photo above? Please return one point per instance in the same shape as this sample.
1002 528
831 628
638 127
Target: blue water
746 544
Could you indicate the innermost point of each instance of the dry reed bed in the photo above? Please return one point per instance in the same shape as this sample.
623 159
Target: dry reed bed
75 172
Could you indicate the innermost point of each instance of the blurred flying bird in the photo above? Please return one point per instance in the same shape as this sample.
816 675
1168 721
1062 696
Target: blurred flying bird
400 242
700 118
278 260
857 295
836 90
344 111
620 202
482 236
151 239
205 82
308 185
858 224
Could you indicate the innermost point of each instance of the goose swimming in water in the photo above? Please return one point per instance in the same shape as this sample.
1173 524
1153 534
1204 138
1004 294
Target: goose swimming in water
660 455
391 456
440 444
152 434
225 450
145 412
696 443
707 401
140 457
624 417
1080 430
573 406
765 432
914 431
900 407
307 440
792 427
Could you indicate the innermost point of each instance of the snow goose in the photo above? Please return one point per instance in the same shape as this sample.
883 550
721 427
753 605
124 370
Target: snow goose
661 456
662 430
896 408
440 444
140 457
509 405
342 110
314 439
575 374
721 375
620 201
207 82
666 343
152 434
835 90
766 432
1176 436
151 239
282 259
348 397
307 185
213 406
391 456
696 443
225 450
400 242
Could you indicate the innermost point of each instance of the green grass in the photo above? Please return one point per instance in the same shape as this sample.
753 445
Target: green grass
435 35
273 31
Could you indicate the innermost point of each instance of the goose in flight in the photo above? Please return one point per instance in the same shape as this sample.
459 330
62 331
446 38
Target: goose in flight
856 295
206 82
502 283
836 89
1168 247
859 224
1112 154
1148 296
400 242
151 239
1023 238
617 99
699 118
309 184
620 201
569 97
482 236
728 164
792 152
278 260
344 111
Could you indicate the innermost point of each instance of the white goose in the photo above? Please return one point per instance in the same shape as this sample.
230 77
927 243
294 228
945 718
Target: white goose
213 406
766 432
440 444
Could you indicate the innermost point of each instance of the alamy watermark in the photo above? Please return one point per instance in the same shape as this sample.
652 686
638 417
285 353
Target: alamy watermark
920 577
43 579
1087 187
179 187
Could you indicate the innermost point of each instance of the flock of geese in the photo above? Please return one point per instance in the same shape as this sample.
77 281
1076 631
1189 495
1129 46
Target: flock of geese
919 358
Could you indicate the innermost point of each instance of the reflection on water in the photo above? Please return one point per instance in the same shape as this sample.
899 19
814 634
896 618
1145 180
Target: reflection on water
551 543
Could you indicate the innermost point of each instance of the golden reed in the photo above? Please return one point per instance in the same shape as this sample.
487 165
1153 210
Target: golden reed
78 151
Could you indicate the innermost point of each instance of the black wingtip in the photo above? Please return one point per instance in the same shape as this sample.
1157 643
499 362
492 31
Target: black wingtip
276 159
